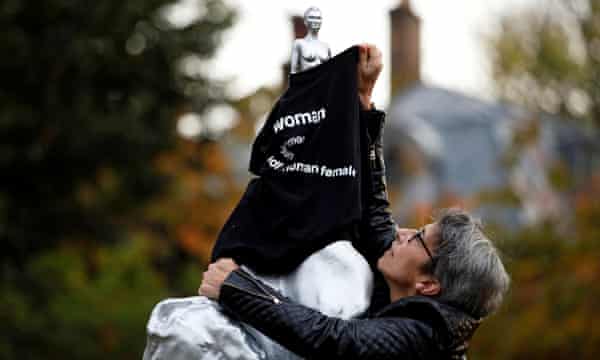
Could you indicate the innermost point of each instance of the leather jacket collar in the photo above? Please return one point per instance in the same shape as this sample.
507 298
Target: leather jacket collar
459 326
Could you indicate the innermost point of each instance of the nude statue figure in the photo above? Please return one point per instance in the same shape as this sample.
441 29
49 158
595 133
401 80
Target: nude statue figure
310 51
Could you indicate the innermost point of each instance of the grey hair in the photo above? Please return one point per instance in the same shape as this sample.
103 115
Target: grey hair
467 265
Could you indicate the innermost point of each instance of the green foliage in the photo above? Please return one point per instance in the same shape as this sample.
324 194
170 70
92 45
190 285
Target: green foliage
90 94
89 99
549 60
66 310
551 309
550 63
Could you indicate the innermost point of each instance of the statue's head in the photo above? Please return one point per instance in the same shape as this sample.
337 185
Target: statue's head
312 18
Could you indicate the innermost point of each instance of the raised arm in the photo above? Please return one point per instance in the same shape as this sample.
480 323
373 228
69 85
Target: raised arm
377 228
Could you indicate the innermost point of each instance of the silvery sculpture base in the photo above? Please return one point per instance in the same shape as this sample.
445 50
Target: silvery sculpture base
194 327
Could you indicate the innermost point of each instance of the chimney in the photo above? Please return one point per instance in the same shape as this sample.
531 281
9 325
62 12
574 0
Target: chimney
299 27
405 47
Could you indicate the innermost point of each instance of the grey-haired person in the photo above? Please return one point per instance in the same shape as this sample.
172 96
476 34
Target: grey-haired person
433 285
443 280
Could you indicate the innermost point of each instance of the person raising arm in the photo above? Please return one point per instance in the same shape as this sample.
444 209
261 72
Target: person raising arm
444 279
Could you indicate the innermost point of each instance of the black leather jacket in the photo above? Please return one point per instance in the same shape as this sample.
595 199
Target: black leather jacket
415 327
377 229
412 328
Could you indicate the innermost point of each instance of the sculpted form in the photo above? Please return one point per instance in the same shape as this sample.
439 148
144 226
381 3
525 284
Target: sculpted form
310 51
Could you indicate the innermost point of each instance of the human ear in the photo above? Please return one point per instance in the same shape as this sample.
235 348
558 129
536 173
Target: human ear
428 286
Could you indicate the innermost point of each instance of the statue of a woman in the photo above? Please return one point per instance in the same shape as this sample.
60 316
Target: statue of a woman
310 51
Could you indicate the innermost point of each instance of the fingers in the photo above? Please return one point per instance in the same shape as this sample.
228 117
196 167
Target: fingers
209 291
224 266
214 276
227 263
370 61
363 54
369 52
369 67
375 56
211 283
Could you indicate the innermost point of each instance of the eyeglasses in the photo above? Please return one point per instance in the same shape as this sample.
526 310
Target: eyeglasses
420 235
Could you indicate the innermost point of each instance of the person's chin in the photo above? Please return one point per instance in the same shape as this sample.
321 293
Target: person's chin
379 263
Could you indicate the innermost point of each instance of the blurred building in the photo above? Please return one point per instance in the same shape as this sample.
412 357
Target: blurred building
445 148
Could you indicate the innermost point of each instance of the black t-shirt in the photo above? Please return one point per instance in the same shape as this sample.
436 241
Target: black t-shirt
310 159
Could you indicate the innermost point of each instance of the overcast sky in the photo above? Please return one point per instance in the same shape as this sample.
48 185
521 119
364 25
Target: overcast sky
453 51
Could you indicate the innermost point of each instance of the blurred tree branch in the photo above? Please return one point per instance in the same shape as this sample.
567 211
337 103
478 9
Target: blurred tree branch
549 61
90 220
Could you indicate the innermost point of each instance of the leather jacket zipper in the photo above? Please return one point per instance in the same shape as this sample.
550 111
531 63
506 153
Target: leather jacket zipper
257 283
252 279
273 299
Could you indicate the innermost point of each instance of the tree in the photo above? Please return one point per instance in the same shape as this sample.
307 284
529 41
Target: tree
550 60
90 96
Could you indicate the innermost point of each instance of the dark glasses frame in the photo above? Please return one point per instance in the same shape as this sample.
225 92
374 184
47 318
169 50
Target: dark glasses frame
420 235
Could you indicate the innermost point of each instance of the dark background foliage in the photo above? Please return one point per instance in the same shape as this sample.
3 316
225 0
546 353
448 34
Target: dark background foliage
105 209
89 98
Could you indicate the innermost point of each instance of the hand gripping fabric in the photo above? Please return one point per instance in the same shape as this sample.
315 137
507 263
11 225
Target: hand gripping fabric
308 159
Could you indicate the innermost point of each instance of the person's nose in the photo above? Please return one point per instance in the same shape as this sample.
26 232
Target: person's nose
400 239
404 234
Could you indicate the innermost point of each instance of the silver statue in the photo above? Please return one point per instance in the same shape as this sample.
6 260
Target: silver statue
309 51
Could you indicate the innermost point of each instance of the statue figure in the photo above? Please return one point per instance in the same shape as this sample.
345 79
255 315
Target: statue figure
309 51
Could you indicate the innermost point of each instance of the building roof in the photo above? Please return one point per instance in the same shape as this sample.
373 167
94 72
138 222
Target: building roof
461 143
463 138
